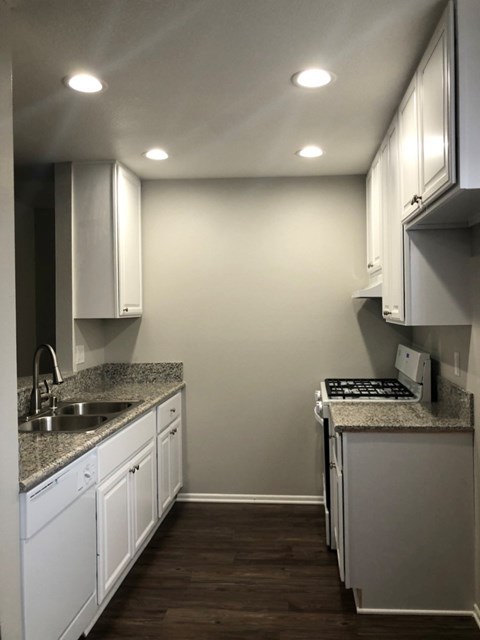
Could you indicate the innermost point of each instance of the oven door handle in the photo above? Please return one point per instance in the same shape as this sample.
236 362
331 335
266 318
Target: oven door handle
317 413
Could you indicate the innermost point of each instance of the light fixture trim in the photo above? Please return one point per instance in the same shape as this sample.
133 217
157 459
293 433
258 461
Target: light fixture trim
85 83
156 154
310 151
313 78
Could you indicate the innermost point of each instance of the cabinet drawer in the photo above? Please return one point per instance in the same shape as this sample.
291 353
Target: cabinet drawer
122 445
169 411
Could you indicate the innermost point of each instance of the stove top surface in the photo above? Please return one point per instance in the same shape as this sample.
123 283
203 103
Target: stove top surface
366 388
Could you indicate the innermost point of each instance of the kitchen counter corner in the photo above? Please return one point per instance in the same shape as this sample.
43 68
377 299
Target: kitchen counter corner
42 454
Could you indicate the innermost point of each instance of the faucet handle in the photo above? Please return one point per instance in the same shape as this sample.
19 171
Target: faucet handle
47 387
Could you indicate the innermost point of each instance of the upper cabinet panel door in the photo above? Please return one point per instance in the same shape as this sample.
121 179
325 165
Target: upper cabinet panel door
129 244
393 268
436 122
409 162
374 218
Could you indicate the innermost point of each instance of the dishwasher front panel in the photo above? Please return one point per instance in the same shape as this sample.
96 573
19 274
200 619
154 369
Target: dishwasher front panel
59 565
59 570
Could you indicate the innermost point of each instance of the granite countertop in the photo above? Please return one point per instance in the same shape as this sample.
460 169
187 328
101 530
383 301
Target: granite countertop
452 412
42 454
378 416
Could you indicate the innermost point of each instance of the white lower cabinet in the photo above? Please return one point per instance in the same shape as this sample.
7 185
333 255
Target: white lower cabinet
404 518
170 475
169 452
126 499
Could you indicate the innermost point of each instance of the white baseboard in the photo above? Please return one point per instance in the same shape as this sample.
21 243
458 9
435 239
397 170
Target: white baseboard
476 614
248 498
414 612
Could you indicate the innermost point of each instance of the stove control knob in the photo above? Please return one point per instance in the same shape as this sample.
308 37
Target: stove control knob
318 395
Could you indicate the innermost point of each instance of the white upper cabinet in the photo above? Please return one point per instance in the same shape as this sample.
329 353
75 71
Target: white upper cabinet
436 103
393 266
374 217
408 150
426 116
448 80
107 259
129 244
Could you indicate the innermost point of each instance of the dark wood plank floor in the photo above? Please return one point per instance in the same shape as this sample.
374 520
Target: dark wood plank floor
256 572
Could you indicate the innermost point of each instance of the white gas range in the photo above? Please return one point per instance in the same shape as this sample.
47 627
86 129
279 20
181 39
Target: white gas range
413 384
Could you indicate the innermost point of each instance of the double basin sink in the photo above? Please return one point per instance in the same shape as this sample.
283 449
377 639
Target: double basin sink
75 416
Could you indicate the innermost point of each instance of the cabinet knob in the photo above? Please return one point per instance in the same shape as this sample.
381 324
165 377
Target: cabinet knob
333 465
387 313
172 432
132 470
369 265
172 410
125 309
416 199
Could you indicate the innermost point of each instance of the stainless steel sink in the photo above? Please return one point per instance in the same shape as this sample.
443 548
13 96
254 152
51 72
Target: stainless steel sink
70 423
76 416
92 408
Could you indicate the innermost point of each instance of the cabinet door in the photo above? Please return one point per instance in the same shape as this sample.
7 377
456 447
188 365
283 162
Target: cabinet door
374 218
393 263
176 467
129 244
435 90
164 473
338 525
114 550
144 494
409 162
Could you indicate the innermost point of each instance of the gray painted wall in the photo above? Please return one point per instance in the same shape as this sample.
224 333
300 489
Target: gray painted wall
10 618
248 282
442 342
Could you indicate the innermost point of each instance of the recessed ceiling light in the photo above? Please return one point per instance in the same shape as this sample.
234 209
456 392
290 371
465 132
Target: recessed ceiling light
84 82
310 152
156 154
312 78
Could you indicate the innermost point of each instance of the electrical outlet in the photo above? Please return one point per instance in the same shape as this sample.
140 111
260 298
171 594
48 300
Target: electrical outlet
456 363
80 354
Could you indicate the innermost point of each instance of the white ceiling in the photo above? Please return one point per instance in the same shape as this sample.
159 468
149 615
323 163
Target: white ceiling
209 81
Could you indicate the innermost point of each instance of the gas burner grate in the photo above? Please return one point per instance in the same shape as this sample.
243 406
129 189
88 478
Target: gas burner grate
354 388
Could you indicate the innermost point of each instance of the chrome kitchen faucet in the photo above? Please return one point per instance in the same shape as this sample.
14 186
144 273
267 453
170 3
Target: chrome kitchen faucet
37 396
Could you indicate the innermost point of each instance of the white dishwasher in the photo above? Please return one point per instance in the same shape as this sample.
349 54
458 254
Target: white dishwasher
58 550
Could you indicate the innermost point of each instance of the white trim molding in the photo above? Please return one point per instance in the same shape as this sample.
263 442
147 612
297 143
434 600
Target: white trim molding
476 614
414 612
248 498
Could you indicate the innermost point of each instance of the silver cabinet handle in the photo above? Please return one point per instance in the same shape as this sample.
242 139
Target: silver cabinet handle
134 469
